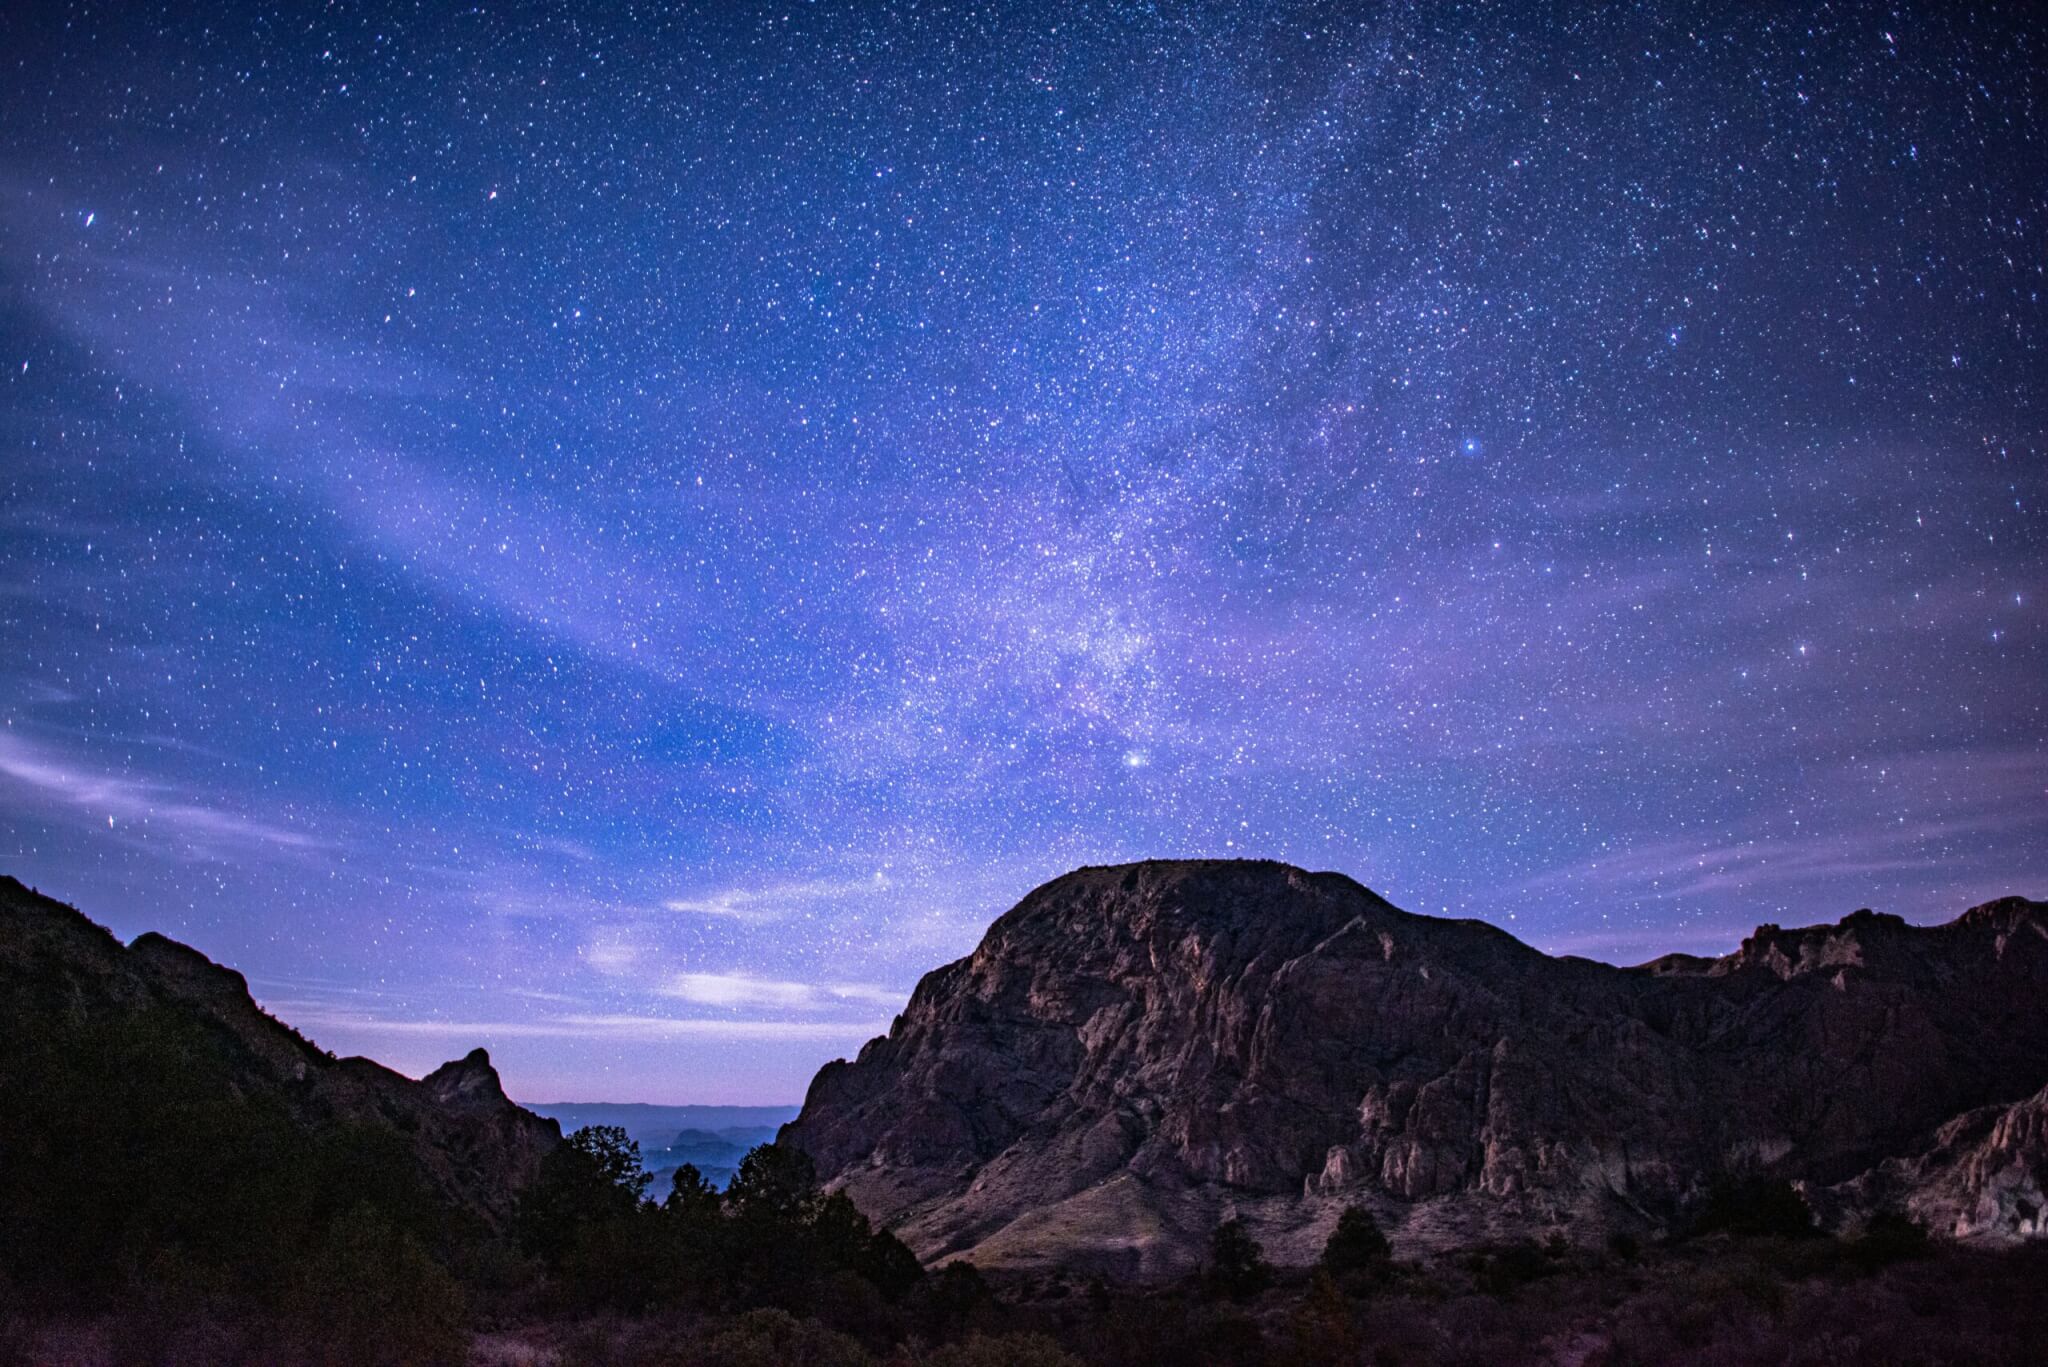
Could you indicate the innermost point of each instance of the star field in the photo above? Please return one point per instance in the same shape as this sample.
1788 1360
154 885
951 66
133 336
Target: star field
626 534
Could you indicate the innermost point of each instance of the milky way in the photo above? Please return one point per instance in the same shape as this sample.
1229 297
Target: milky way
627 538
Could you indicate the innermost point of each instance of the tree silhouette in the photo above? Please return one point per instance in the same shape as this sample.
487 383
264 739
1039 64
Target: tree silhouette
1355 1245
590 1178
774 1185
691 1197
1237 1265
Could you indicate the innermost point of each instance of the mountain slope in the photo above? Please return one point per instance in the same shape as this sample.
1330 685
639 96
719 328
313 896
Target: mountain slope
1134 1052
59 972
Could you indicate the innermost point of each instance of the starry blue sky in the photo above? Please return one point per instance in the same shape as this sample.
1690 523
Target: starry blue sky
627 534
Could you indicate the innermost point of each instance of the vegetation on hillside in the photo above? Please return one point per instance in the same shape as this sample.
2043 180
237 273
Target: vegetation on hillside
150 1212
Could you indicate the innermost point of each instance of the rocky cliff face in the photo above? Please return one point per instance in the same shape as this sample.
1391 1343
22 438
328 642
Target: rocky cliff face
1133 1053
474 1145
1984 1179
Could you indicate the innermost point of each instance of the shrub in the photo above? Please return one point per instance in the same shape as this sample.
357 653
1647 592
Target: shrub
369 1294
775 1185
888 1262
691 1197
1888 1238
1756 1207
1229 1339
1322 1325
1003 1350
1503 1270
775 1338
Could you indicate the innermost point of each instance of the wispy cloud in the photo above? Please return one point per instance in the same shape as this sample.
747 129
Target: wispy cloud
625 1027
613 950
748 990
738 989
775 901
1673 869
255 384
545 566
1852 843
199 829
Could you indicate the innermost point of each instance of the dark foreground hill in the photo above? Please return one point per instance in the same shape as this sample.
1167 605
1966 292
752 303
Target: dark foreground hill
1135 1053
157 1122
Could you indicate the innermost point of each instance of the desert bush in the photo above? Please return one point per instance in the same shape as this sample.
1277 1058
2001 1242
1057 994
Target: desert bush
1750 1206
1322 1331
370 1295
775 1185
775 1338
607 1340
1506 1268
889 1264
1887 1238
1135 1330
1229 1339
1001 1350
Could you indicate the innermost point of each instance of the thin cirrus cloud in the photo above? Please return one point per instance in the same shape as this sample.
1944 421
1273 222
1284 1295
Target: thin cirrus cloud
746 990
775 901
192 827
1858 835
618 1027
250 385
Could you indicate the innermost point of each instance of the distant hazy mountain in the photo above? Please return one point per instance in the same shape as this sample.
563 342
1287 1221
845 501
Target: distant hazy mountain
1135 1053
712 1139
657 1126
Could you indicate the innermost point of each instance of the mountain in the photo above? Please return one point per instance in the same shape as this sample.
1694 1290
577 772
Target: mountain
1134 1053
712 1139
62 976
656 1127
715 1155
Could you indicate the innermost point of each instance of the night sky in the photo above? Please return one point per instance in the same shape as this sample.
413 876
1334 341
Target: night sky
627 536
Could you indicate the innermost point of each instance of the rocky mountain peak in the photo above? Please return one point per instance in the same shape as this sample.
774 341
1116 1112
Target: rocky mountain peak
469 1082
1159 901
1848 943
184 971
2007 914
1134 1050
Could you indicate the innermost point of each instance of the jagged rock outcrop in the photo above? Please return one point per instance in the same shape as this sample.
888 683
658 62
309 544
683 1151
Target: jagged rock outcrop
475 1145
1135 1052
1986 1177
1984 1180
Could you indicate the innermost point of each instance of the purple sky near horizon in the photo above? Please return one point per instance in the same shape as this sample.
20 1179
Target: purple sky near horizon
627 535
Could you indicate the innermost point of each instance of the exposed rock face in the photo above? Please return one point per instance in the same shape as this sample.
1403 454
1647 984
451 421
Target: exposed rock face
474 1144
1983 1180
1134 1052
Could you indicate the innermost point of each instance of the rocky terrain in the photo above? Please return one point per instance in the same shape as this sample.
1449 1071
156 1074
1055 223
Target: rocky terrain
1134 1053
476 1147
1983 1180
